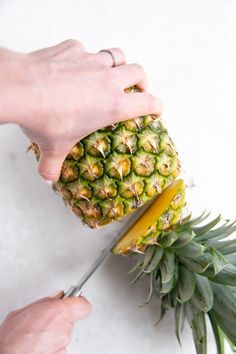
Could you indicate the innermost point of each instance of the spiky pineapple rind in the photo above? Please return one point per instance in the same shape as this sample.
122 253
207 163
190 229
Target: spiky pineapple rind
136 158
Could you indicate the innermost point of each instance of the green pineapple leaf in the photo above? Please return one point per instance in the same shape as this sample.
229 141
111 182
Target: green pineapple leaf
226 276
195 274
179 320
169 239
231 258
203 294
219 338
186 284
203 229
196 319
218 260
155 260
194 221
227 329
224 302
137 277
198 265
167 266
192 250
184 238
150 251
137 266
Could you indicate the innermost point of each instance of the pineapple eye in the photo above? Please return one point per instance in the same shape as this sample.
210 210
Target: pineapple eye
149 141
69 171
131 187
112 209
118 166
76 152
98 144
80 190
134 125
155 124
143 164
104 188
125 142
164 221
164 165
90 213
90 168
154 185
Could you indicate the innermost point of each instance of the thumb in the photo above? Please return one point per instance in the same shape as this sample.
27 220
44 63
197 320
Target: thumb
50 164
74 308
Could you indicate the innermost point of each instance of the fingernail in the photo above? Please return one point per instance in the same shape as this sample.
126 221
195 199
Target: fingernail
57 293
48 182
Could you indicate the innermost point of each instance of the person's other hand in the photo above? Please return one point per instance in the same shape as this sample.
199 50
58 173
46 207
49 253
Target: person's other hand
64 93
43 327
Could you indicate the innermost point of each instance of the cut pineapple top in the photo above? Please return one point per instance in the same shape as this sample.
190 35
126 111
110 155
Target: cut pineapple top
164 212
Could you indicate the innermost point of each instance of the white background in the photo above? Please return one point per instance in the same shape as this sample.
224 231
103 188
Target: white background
188 50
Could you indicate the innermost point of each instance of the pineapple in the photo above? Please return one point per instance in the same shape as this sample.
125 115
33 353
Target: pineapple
164 212
189 266
116 170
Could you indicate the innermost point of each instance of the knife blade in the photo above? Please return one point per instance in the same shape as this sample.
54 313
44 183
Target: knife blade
76 290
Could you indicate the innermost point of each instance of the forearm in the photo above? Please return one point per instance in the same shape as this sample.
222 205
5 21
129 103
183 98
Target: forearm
15 103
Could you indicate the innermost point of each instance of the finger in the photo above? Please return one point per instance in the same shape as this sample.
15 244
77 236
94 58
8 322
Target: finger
56 50
32 304
50 164
49 341
140 104
62 352
74 308
56 296
130 75
116 58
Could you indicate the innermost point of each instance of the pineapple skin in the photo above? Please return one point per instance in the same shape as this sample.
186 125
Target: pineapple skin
117 169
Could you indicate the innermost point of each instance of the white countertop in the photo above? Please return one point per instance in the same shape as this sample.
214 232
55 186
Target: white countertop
188 50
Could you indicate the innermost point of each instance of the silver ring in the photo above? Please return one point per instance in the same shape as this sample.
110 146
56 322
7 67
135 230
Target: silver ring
111 54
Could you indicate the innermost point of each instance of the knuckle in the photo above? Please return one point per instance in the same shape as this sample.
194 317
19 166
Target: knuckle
47 175
62 313
65 339
120 53
105 76
116 107
155 104
51 151
108 76
11 315
119 50
159 105
151 102
140 68
57 151
73 43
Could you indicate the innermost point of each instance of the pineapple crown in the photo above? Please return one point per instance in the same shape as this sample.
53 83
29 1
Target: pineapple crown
192 269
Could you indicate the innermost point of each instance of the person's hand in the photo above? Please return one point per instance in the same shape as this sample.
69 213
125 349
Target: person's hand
61 94
43 327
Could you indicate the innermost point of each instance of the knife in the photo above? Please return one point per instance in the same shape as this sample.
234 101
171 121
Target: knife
76 290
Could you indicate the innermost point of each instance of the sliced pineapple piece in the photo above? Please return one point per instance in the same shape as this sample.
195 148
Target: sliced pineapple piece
161 215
